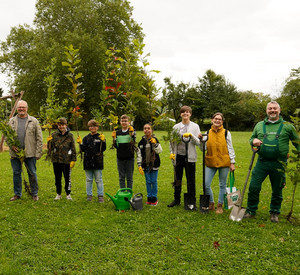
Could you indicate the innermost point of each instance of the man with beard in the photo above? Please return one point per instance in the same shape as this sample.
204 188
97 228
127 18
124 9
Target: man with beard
271 136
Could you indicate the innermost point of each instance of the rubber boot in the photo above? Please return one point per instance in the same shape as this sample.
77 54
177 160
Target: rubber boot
219 208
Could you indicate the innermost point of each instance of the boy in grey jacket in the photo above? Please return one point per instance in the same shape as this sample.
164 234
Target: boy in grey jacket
188 131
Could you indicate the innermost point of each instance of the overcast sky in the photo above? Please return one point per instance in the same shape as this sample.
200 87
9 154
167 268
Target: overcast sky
254 44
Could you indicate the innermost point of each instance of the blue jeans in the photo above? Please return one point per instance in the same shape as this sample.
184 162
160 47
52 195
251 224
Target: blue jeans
97 174
125 168
209 174
30 164
151 182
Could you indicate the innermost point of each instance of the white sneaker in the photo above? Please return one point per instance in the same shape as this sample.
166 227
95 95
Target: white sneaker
69 197
58 197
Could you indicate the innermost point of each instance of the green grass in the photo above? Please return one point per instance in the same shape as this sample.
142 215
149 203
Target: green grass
80 237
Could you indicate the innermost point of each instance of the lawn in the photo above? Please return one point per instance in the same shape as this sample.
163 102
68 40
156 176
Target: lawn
81 237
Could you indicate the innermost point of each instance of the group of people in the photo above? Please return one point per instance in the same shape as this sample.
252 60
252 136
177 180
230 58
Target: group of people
271 136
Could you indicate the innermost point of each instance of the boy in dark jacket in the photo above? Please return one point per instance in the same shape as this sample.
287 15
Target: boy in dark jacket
93 146
63 155
124 140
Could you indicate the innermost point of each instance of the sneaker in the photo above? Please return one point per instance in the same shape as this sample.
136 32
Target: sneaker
274 217
100 199
248 216
173 203
69 197
58 197
89 198
15 197
154 202
149 201
35 198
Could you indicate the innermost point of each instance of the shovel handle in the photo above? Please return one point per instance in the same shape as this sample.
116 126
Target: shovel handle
254 150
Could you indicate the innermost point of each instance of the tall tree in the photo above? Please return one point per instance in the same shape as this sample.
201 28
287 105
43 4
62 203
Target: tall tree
218 95
92 26
289 99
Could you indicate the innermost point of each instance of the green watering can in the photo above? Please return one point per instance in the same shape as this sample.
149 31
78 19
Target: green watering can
119 199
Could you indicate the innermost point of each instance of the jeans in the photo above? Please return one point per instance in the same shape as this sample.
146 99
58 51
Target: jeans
151 182
125 168
97 174
209 174
30 164
59 169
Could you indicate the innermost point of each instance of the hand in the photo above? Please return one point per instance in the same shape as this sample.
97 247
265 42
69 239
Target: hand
72 164
141 171
15 149
186 135
102 137
114 134
153 140
232 168
79 140
49 138
172 156
256 142
200 136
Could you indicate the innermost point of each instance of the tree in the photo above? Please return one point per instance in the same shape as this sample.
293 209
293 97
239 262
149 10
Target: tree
92 26
175 97
289 99
218 95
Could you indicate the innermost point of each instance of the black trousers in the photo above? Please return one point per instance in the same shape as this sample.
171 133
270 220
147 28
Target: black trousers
59 170
190 172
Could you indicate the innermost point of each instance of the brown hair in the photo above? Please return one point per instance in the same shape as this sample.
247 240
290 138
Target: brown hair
186 108
218 114
93 122
125 117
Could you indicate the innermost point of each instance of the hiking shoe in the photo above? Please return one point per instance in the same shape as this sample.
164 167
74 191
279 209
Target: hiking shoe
219 208
69 197
58 197
14 198
100 199
35 198
211 206
173 203
248 216
89 198
274 217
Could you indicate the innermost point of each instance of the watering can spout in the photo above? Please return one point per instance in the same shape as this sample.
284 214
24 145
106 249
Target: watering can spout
112 198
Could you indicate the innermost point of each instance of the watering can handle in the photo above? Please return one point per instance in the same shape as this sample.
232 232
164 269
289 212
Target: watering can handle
138 194
125 189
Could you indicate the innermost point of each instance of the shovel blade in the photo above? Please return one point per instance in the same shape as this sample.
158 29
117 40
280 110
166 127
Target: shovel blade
204 203
237 213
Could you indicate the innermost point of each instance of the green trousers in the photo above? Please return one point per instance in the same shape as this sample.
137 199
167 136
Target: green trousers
262 169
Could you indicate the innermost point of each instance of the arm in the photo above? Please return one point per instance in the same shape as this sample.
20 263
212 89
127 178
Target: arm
139 157
157 147
230 148
254 141
39 141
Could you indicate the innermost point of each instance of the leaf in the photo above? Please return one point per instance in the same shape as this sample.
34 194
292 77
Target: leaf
216 244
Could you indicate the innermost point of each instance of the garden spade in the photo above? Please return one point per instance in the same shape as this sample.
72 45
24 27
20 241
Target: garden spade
204 199
237 212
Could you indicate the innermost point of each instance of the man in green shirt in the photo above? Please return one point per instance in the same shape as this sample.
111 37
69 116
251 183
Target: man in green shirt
272 136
